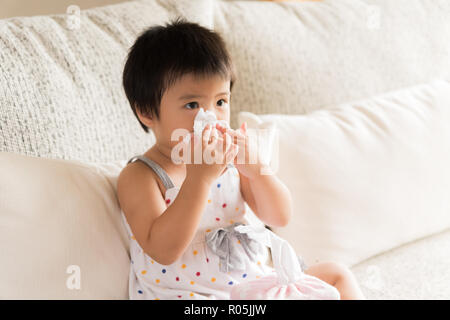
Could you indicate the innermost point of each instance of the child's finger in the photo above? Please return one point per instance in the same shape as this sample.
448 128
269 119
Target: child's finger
206 134
243 127
231 153
228 140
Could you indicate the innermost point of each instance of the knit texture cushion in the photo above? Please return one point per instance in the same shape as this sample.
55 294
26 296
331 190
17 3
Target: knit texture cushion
61 92
295 57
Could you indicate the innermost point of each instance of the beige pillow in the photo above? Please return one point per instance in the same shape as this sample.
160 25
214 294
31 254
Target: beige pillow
365 176
61 233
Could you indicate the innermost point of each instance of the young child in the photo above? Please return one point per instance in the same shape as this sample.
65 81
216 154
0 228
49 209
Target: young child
180 215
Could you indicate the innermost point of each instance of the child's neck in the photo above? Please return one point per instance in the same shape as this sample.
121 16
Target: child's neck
162 155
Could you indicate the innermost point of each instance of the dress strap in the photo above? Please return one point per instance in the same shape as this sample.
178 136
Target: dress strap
168 184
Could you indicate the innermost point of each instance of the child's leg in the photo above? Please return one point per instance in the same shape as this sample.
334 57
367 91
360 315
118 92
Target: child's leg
339 276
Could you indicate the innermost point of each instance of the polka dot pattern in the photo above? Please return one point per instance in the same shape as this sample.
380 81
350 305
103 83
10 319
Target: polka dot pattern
198 267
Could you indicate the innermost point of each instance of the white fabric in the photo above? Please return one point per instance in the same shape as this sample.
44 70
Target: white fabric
294 57
55 214
288 282
368 175
197 274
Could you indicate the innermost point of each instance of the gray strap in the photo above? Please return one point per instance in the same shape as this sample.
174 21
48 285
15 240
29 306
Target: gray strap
156 167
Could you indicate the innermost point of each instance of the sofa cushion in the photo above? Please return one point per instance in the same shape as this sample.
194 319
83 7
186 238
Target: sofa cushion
414 271
61 231
295 57
365 176
61 92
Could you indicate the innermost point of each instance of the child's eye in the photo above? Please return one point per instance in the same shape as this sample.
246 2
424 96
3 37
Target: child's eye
224 102
188 105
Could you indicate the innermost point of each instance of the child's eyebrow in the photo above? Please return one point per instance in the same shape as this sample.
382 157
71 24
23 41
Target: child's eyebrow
191 96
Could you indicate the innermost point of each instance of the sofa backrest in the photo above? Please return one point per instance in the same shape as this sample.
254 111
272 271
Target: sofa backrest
296 57
61 92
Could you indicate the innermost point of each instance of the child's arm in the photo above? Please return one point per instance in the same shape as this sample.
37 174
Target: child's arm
268 198
266 195
164 232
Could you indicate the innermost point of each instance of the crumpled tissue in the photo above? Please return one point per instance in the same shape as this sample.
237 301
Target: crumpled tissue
206 117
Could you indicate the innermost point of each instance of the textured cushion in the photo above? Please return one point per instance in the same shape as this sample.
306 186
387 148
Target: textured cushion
417 270
366 176
61 93
295 57
55 214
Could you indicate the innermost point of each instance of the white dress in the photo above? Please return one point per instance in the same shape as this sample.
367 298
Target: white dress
199 273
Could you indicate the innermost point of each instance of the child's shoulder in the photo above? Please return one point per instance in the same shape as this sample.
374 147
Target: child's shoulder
136 173
134 182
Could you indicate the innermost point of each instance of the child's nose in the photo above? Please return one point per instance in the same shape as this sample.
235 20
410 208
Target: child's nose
210 110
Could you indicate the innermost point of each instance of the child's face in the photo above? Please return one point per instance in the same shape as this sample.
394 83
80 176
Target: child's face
181 102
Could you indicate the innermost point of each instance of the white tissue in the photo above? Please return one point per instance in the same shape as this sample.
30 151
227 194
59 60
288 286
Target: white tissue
206 117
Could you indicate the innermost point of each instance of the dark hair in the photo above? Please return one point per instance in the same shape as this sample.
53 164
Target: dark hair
162 54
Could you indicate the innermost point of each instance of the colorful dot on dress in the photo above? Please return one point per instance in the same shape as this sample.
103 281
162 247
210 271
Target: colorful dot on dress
157 280
168 201
217 219
209 200
213 279
230 283
192 282
195 252
177 279
179 297
191 294
144 271
244 275
140 292
163 270
224 205
183 266
218 185
197 274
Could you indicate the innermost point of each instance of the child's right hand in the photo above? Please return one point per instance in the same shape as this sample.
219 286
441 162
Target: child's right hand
214 151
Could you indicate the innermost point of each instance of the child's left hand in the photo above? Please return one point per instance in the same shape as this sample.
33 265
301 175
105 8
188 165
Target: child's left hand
242 159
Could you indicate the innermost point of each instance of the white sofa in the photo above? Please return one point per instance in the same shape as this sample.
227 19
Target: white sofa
66 131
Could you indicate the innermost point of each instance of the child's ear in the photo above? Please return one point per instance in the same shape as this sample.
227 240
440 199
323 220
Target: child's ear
146 119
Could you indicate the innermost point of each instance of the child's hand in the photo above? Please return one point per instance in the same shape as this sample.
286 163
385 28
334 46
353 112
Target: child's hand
209 143
245 154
